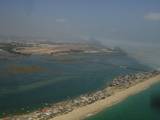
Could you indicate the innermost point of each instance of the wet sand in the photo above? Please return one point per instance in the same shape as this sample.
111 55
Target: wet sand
88 110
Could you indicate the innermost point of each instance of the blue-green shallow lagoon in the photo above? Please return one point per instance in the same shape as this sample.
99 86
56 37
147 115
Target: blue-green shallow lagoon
137 107
27 83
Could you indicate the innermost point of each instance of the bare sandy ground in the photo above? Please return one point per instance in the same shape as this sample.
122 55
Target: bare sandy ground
50 49
86 111
42 49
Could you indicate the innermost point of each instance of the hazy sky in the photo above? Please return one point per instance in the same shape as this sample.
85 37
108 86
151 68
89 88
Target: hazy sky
125 23
112 20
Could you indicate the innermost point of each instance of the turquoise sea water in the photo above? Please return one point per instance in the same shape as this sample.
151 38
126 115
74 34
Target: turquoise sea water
137 107
59 78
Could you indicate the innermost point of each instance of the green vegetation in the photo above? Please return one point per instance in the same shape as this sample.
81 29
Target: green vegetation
7 47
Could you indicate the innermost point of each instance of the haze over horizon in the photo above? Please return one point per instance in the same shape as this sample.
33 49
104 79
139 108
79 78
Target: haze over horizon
134 25
70 59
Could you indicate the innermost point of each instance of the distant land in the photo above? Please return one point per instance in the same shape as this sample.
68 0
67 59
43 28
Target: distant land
52 48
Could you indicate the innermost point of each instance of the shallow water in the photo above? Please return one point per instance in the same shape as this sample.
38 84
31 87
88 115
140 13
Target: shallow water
137 107
27 83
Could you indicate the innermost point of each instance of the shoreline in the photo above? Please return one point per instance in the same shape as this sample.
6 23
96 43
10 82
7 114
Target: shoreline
90 103
91 109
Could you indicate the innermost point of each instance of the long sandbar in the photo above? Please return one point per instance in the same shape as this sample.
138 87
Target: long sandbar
85 111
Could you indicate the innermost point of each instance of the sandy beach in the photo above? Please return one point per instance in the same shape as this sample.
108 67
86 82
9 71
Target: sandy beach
88 110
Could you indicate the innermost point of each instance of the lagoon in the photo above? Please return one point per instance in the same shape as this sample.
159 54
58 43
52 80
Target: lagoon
28 83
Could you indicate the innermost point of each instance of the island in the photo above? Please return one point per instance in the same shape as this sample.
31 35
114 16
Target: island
54 48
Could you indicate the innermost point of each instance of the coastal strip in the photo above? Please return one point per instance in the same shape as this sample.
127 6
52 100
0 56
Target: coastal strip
90 103
118 96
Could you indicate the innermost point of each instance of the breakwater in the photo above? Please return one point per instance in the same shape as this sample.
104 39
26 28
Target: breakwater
67 106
